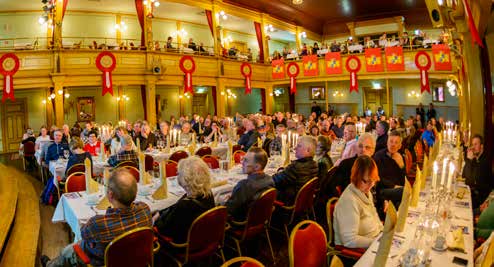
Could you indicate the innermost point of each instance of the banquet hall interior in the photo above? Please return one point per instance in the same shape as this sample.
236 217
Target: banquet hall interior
246 133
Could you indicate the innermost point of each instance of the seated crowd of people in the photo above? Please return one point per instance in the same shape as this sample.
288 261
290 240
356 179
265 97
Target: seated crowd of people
370 171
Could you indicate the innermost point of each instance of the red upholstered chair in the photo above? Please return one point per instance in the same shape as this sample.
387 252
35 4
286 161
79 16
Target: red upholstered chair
148 163
28 150
75 182
304 204
419 151
203 151
307 245
171 168
134 171
353 253
122 250
205 238
238 156
257 221
127 163
246 262
236 147
80 167
178 155
211 161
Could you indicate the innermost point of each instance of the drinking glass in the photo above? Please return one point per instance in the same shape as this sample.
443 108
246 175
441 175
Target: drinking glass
66 154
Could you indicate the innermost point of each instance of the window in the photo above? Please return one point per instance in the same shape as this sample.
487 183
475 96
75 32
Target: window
438 92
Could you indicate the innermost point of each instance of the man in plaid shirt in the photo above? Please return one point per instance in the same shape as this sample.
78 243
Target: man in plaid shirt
125 154
100 230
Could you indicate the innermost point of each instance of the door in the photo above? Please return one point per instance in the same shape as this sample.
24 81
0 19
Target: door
199 104
375 98
14 118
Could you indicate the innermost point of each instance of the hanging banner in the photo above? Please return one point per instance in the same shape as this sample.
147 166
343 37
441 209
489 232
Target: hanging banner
423 63
373 61
442 57
278 69
353 66
310 65
188 66
333 63
106 62
9 65
246 70
394 58
471 25
293 70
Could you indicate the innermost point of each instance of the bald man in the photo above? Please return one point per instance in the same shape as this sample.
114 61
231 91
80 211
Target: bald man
100 230
289 181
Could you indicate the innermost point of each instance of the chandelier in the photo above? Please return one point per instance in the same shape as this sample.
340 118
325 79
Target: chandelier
297 2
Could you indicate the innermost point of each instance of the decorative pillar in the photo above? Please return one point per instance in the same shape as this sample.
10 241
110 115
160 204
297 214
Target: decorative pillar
120 103
57 25
327 95
221 98
49 109
400 21
118 32
58 80
265 42
179 37
216 27
148 28
49 32
151 101
351 28
298 40
269 99
388 97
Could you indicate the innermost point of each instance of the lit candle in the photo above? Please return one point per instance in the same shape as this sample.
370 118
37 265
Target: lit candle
443 174
450 176
434 175
179 132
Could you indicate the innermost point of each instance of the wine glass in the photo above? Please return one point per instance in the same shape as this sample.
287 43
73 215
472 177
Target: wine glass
66 154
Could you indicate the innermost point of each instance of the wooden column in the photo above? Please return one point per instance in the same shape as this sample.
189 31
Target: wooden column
216 34
151 101
179 37
269 99
221 101
49 109
148 29
351 28
265 42
58 80
120 103
118 32
326 93
388 97
298 39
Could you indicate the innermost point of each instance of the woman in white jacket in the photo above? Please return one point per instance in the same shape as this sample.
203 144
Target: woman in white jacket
356 222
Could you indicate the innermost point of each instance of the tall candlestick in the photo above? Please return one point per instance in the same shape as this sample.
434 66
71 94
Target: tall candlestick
443 174
450 176
434 175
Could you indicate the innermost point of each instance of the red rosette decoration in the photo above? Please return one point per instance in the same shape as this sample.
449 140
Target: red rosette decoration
246 70
353 66
292 70
188 66
423 63
9 65
106 62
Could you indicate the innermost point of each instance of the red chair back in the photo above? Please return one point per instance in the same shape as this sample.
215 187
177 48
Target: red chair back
134 171
307 247
122 250
238 156
260 213
171 168
80 167
236 147
29 149
206 233
419 151
211 161
246 262
408 160
75 182
148 163
178 155
203 151
305 196
127 163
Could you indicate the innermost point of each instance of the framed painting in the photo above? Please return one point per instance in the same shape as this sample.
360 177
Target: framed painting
86 109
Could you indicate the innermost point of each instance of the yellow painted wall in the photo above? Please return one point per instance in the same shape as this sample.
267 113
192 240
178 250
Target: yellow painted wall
133 31
200 33
169 101
97 27
162 29
21 25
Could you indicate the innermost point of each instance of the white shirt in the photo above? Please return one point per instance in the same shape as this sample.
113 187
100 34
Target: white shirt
351 149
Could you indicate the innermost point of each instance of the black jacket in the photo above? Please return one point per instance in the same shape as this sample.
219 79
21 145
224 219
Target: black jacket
381 142
289 181
390 173
248 139
245 193
478 176
340 178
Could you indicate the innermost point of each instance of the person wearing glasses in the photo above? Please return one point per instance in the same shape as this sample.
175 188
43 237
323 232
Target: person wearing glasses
356 222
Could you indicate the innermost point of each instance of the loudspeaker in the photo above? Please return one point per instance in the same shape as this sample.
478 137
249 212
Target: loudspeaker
156 69
436 14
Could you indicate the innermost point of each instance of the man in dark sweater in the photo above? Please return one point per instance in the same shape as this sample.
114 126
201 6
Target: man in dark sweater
477 171
250 136
382 128
289 181
248 190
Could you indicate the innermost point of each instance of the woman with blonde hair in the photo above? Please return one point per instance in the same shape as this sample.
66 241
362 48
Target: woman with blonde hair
194 177
356 222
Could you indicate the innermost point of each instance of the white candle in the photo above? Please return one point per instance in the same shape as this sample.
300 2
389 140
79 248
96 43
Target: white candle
450 176
443 174
434 175
179 132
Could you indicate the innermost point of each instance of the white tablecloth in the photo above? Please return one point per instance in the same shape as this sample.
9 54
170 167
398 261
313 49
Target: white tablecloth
220 151
322 51
355 48
58 167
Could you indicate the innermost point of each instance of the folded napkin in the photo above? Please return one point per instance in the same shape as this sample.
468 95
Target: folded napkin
104 203
403 209
91 185
417 186
142 168
287 156
162 191
219 183
387 237
229 155
455 240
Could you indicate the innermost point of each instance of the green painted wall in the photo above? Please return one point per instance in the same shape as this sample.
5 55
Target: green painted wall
244 103
251 41
162 29
200 33
21 25
97 27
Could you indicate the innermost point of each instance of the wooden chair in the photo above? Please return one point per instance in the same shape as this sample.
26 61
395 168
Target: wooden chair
148 163
171 168
419 152
28 153
246 262
236 148
178 155
80 167
205 238
238 156
304 203
133 170
211 161
307 245
127 163
257 220
75 182
353 253
203 151
133 248
336 262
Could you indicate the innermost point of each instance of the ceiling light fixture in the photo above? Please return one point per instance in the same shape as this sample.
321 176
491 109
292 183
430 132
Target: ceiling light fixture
297 2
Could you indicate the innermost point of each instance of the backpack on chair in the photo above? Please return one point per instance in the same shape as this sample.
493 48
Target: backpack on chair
49 196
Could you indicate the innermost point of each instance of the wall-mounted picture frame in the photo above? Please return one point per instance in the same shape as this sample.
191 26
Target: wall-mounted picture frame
86 109
317 93
438 94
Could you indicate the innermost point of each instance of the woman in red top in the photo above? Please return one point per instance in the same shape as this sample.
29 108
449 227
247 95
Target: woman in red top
93 145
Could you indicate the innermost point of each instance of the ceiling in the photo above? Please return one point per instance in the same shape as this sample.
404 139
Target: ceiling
315 14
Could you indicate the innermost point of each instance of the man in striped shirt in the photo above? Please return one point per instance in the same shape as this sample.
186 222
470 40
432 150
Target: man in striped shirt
100 230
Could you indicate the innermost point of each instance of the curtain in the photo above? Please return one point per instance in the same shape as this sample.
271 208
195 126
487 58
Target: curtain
144 101
209 16
140 16
65 2
213 93
291 102
257 26
263 101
